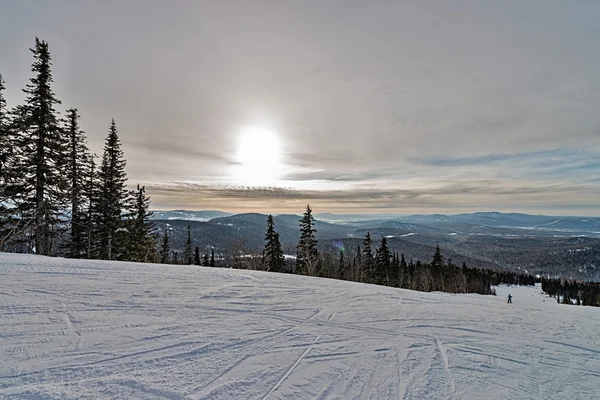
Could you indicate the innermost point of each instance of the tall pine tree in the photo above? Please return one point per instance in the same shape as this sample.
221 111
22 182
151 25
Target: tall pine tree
197 260
437 270
140 229
367 259
307 256
383 264
42 190
273 259
188 253
341 269
112 197
7 175
77 156
165 249
6 145
90 194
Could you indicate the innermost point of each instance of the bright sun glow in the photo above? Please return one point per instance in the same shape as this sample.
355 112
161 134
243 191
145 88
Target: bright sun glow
259 158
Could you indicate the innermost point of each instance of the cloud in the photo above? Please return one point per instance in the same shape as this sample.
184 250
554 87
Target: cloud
386 105
438 195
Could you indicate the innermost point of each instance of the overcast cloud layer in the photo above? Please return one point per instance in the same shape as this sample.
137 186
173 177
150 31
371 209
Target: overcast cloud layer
381 106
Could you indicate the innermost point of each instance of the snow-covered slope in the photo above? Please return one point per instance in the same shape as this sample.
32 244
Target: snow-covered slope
91 329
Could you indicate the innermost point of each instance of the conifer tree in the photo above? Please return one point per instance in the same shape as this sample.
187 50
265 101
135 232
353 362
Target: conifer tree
437 270
341 267
273 259
165 249
112 197
7 175
358 267
6 145
307 256
367 259
395 271
188 255
140 229
41 190
382 263
197 256
404 273
205 261
77 157
212 258
90 194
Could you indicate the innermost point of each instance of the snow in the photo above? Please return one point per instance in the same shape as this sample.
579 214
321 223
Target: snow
94 329
555 222
408 234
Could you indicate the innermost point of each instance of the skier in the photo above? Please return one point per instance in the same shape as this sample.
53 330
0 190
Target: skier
510 299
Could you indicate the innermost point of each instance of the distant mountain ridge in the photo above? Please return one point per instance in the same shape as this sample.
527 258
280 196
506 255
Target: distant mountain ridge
579 225
205 215
557 246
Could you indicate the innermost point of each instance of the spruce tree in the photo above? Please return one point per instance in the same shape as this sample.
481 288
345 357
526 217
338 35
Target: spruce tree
382 263
212 258
77 162
307 256
140 229
395 271
358 274
404 280
341 269
205 261
273 259
188 255
112 197
90 194
6 144
367 258
165 249
8 178
437 270
197 256
42 187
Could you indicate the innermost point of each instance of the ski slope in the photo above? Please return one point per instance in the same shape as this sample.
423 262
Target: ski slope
93 329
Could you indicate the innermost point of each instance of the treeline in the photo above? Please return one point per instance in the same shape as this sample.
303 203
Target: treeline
573 292
375 264
54 198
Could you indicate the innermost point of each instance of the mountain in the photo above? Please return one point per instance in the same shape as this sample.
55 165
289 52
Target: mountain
94 328
206 215
245 232
566 247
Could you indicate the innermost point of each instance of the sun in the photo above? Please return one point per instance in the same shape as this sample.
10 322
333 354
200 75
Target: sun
258 158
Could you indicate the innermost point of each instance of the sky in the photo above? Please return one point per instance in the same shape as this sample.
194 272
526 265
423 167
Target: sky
395 106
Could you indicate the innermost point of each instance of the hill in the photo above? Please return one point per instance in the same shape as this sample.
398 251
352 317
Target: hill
566 247
95 329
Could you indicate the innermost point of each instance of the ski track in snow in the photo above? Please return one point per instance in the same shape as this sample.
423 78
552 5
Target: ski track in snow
75 329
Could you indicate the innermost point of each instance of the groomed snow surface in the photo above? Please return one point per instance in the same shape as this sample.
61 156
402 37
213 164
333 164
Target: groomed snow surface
92 329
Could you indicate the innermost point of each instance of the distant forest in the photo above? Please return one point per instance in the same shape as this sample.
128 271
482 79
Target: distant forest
57 198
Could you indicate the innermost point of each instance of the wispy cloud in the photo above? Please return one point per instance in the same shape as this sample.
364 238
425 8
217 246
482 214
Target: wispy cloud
438 195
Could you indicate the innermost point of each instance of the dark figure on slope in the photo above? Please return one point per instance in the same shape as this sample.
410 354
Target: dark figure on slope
510 298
